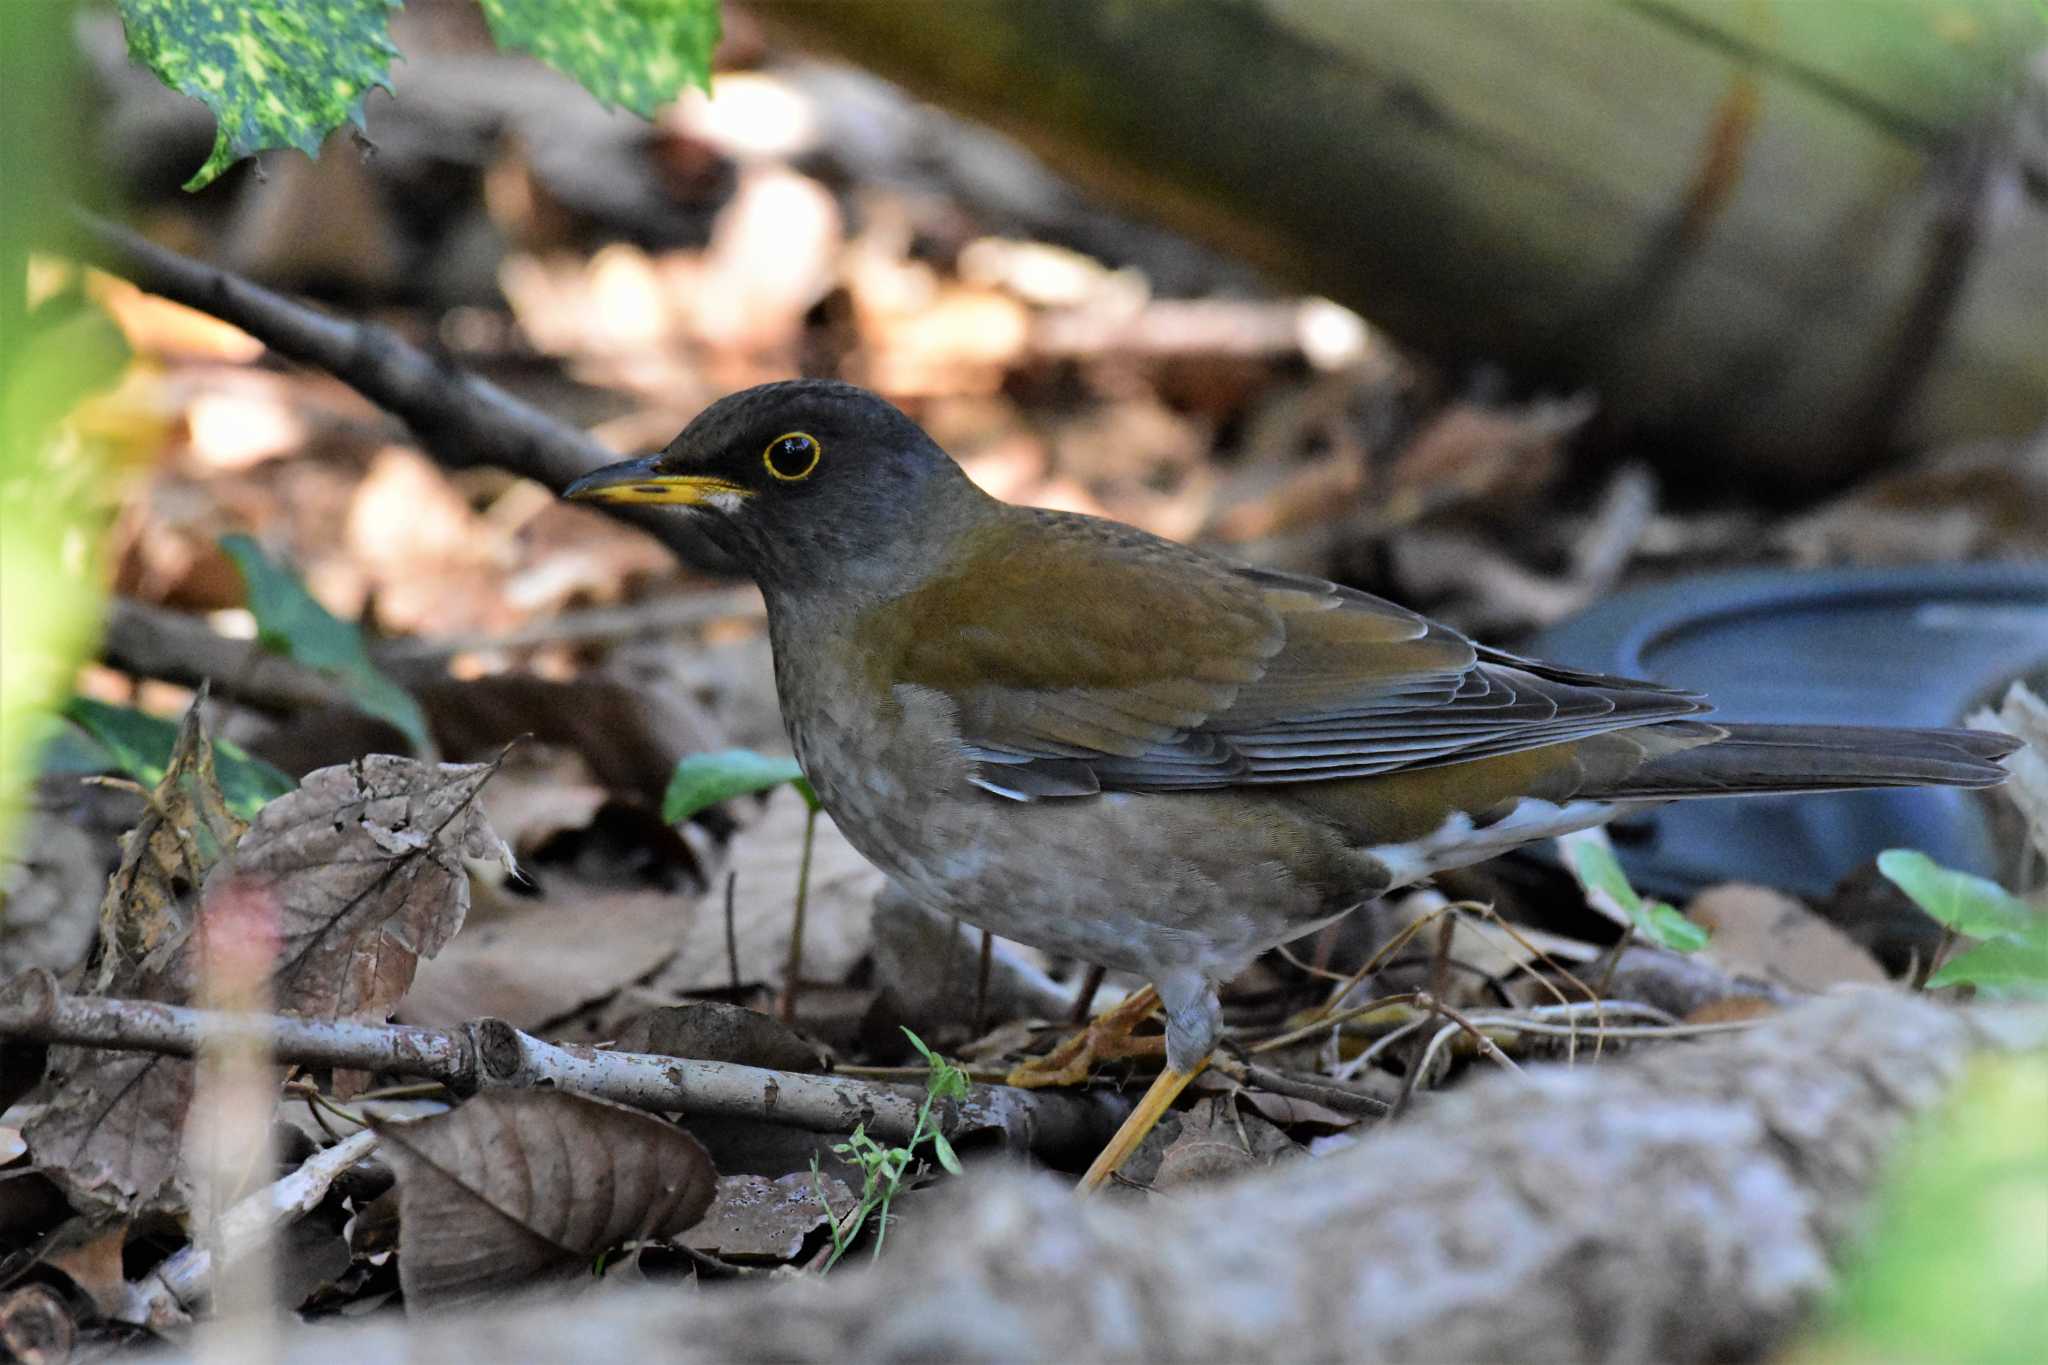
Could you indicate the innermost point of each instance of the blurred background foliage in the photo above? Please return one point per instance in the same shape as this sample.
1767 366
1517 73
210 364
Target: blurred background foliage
1492 307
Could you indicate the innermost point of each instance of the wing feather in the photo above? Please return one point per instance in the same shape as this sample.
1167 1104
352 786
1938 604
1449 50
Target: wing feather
1072 674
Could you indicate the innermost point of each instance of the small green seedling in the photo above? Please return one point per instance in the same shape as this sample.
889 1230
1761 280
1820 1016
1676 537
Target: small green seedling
884 1170
1600 876
2012 954
290 621
703 780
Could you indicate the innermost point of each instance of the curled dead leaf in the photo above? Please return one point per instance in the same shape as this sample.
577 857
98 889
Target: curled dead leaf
712 1031
184 831
758 1219
1217 1141
519 1186
366 860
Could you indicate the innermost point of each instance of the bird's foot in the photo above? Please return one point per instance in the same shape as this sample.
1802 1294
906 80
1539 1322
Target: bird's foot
1108 1037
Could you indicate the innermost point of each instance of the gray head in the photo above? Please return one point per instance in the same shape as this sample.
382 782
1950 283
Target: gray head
806 482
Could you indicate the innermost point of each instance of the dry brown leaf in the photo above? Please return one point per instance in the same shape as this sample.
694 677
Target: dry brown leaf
107 1124
537 961
1214 1139
630 736
93 1263
366 862
1468 452
758 1219
1988 500
518 1186
146 914
764 857
1764 933
1289 1110
343 884
110 1125
712 1031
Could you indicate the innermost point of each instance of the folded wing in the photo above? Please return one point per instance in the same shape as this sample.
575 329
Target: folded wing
1092 657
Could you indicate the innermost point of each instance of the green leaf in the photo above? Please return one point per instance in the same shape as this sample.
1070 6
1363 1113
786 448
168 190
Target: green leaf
290 621
70 349
1667 926
633 53
53 479
944 1150
275 73
2017 964
140 745
1969 905
704 780
1597 869
919 1043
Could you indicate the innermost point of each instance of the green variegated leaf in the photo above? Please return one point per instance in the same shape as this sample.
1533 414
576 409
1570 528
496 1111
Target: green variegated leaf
275 73
638 54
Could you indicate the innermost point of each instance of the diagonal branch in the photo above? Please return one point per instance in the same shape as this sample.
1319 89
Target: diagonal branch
490 1053
462 419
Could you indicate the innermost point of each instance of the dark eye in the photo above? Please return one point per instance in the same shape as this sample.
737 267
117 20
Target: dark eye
793 457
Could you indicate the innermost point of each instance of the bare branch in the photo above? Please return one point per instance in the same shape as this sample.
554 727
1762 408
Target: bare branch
491 1053
461 418
1686 1204
154 642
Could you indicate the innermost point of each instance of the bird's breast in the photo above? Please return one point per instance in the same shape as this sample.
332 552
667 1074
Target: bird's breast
1149 883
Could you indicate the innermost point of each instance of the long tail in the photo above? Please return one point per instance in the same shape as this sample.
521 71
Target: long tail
1817 758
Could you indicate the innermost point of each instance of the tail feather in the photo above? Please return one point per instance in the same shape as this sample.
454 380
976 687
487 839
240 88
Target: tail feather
1818 758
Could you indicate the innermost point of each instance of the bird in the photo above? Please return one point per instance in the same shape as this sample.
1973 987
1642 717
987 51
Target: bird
1149 757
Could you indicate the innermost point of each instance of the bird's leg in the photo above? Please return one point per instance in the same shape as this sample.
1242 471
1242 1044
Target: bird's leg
1107 1037
1194 1019
1142 1120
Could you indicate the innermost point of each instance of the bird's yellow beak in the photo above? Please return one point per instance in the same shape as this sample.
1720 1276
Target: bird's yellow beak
642 481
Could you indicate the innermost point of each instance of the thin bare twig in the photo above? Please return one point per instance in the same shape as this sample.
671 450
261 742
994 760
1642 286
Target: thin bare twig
165 1298
1487 1047
1330 1021
489 1053
1315 1090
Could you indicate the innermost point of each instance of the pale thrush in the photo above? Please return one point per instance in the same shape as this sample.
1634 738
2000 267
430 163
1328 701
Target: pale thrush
1084 737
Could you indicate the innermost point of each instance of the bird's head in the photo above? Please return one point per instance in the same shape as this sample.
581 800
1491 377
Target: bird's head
806 483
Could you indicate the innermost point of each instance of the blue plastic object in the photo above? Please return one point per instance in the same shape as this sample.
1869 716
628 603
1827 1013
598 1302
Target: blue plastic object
1918 645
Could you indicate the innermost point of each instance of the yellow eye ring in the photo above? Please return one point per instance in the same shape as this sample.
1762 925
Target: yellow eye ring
799 453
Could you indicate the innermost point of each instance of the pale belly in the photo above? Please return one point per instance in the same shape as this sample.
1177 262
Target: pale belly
1157 884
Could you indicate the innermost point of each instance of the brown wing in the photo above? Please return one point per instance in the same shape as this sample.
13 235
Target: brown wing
1085 656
